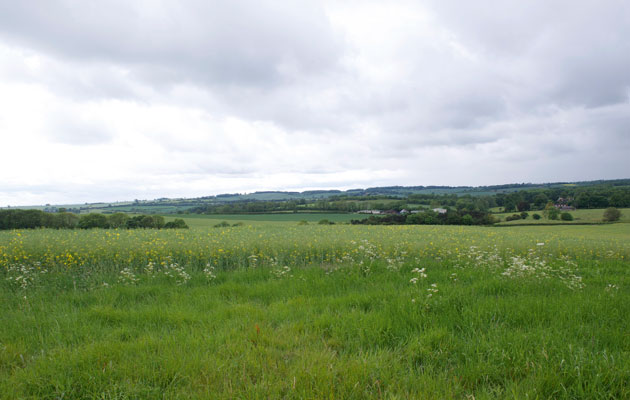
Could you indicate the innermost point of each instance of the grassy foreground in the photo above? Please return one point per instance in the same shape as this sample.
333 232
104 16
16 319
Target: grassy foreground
316 312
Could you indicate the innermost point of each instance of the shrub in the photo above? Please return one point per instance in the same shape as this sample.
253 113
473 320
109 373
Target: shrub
551 212
565 216
158 221
177 223
93 220
611 214
145 221
524 215
118 220
325 222
222 224
428 217
536 216
65 220
134 222
513 217
22 219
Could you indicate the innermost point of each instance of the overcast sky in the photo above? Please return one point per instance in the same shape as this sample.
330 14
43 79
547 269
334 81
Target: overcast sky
117 99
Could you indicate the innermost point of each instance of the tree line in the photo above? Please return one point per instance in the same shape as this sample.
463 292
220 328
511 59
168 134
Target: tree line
589 197
578 196
31 219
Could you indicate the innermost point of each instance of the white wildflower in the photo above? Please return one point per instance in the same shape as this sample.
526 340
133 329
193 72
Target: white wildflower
208 271
127 277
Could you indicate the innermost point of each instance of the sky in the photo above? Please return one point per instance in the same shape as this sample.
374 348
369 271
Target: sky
121 100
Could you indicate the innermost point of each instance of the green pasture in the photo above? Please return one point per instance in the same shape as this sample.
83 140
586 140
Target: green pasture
580 216
202 220
281 310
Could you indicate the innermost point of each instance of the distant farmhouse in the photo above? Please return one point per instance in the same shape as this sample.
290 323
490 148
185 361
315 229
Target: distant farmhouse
563 204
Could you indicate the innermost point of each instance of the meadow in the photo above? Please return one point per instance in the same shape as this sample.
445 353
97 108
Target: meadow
581 216
281 310
201 220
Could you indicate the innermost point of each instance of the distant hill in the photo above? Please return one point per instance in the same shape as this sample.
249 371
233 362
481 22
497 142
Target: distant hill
172 206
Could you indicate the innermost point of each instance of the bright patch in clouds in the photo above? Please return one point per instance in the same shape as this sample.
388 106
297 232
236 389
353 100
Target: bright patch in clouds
121 100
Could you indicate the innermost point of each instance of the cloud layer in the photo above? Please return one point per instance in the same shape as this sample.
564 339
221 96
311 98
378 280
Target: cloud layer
119 100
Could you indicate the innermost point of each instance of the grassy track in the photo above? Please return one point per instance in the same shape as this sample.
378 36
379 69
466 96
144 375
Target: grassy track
278 310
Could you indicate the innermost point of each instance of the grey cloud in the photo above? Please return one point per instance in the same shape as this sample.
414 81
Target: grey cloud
536 90
568 53
212 42
77 130
87 82
279 62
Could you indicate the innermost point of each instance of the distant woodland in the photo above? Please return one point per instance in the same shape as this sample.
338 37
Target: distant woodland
30 219
576 196
434 205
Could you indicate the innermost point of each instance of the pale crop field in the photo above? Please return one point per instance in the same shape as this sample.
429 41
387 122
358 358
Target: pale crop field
280 310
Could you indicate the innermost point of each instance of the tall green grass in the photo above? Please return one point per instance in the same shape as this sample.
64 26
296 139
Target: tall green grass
318 312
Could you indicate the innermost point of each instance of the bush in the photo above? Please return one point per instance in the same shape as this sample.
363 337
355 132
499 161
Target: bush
428 217
133 222
93 220
325 222
65 220
513 217
536 216
158 221
118 220
149 221
177 223
551 212
523 206
145 221
565 216
524 215
222 224
611 214
22 219
303 222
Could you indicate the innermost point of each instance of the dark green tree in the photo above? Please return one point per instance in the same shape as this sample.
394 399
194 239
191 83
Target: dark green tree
540 201
177 223
118 220
523 206
93 220
66 220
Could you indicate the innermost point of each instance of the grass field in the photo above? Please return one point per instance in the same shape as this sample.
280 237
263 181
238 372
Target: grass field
201 220
278 310
579 217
